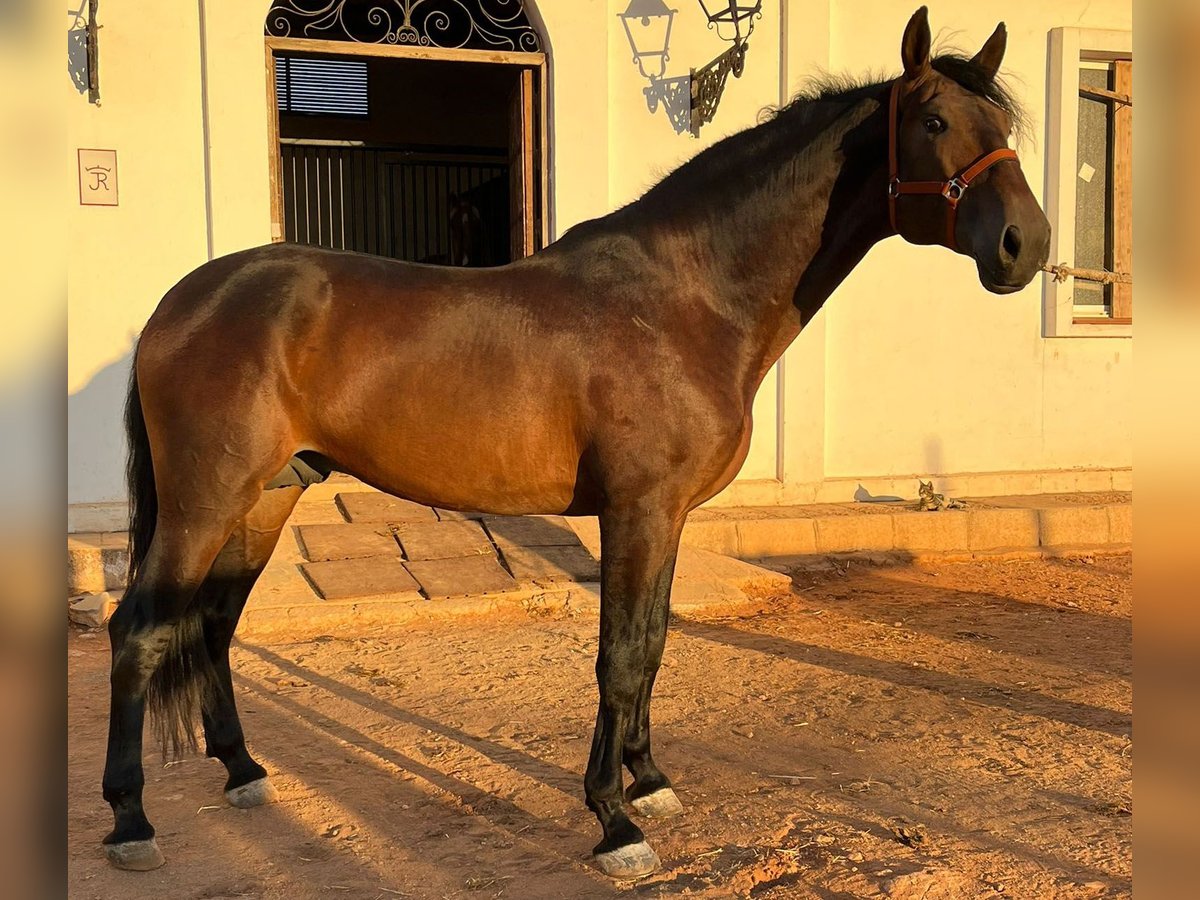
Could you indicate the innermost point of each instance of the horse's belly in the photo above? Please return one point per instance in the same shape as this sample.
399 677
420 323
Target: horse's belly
490 458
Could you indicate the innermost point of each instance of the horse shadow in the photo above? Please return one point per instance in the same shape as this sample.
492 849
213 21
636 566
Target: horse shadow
904 674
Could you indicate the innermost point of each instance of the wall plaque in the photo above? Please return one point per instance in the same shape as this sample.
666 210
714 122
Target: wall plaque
98 177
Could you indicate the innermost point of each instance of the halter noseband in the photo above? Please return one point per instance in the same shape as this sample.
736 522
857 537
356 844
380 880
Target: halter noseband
952 190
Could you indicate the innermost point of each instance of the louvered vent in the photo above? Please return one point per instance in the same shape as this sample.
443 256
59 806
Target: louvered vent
322 87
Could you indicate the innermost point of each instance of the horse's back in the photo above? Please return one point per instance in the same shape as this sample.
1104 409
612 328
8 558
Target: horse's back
416 378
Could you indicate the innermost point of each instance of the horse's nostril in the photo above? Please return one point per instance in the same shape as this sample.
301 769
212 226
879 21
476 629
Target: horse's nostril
1011 243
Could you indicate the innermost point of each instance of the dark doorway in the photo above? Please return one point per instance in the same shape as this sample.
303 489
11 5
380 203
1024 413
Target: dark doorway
423 160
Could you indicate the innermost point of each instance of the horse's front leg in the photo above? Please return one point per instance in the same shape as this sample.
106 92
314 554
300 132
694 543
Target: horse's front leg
650 794
638 549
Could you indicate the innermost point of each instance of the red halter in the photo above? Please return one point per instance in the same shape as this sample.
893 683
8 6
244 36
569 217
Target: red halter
952 190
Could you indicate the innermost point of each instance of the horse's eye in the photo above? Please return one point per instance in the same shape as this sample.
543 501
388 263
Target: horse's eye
934 125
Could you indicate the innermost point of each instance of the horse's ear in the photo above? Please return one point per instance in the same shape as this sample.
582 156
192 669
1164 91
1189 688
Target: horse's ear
914 49
992 54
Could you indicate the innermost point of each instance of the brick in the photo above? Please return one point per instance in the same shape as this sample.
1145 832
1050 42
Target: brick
1094 480
115 563
854 532
717 536
1001 529
340 579
326 542
458 577
1060 482
1120 523
85 568
945 530
374 507
456 515
1073 526
532 531
444 540
530 565
776 537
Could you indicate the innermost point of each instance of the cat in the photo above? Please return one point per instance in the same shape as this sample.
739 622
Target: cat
930 501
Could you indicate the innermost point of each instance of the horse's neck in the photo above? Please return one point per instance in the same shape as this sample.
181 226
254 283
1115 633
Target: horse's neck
810 209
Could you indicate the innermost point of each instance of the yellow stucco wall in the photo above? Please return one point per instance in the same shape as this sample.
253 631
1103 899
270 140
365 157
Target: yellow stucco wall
122 259
912 368
927 372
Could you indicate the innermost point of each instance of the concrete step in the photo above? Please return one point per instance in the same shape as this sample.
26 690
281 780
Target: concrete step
1044 523
714 541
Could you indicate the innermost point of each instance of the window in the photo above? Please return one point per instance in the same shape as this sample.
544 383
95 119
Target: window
1089 194
323 87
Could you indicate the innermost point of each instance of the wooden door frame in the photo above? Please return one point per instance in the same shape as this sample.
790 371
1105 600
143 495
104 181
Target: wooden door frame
536 62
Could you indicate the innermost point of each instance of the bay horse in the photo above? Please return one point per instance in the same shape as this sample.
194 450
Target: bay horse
611 374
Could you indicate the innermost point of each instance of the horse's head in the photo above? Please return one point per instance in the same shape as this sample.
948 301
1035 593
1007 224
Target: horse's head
948 185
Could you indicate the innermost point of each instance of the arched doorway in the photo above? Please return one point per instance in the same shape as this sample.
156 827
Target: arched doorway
414 129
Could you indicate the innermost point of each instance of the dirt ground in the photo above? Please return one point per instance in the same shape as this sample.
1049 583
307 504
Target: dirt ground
916 731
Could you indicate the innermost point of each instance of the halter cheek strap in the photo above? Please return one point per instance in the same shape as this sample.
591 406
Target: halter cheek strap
952 190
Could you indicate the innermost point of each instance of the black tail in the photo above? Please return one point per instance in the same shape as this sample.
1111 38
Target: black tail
139 475
184 682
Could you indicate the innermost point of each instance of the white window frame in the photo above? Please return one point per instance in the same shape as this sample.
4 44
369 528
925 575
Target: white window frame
1068 48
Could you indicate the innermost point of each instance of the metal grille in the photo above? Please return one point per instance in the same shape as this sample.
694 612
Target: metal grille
394 204
449 24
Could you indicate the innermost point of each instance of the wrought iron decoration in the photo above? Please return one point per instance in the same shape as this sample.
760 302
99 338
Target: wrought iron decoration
689 100
446 24
708 83
83 50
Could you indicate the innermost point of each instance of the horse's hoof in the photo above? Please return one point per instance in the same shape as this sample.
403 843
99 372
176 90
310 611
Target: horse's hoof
660 804
628 862
137 856
254 793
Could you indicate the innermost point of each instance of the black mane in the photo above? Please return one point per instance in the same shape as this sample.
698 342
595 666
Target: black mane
956 66
718 179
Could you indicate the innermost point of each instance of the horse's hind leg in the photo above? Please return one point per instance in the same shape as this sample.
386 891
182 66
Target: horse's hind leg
637 560
222 599
153 638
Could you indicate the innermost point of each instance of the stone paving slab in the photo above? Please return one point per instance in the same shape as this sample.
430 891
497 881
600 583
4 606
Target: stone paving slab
531 565
343 579
444 540
441 578
374 507
346 541
456 515
531 531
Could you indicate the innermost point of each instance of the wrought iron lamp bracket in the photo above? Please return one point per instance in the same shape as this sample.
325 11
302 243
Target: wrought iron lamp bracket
83 49
708 83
